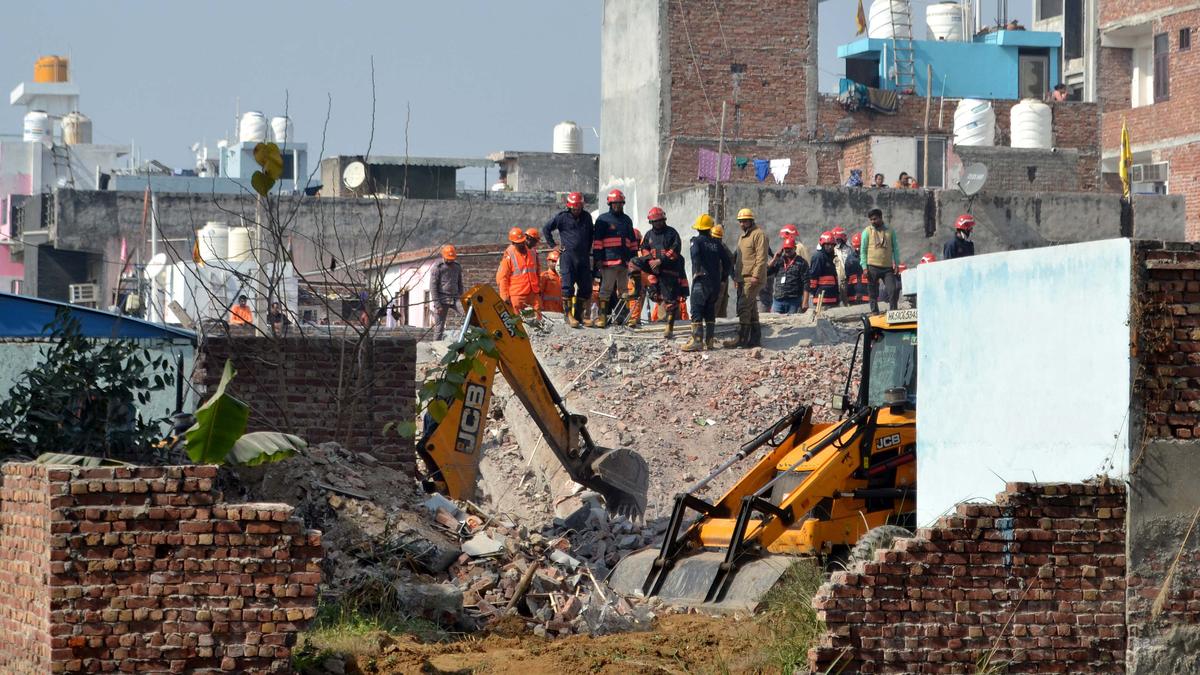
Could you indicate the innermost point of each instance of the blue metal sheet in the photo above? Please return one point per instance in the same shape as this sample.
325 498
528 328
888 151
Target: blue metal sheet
26 317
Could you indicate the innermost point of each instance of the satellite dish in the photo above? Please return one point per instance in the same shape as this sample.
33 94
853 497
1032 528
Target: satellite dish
972 179
155 267
354 175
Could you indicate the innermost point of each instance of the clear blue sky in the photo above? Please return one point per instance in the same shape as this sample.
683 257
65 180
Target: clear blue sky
479 76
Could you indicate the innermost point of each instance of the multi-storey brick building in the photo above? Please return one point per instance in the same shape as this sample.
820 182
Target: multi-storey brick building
1148 81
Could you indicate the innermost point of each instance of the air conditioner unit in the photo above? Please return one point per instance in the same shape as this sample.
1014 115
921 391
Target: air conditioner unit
1151 173
84 294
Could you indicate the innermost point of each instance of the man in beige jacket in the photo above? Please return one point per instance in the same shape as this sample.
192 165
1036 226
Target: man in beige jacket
752 254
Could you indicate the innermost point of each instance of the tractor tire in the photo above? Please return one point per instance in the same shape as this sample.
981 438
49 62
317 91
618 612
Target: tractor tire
878 538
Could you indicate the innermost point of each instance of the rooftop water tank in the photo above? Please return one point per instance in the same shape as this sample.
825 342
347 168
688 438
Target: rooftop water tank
76 129
36 127
944 21
50 69
567 138
213 241
974 123
240 243
890 18
1031 125
281 130
253 127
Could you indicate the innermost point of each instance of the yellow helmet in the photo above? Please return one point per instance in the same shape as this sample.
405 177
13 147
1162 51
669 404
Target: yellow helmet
745 214
703 222
718 231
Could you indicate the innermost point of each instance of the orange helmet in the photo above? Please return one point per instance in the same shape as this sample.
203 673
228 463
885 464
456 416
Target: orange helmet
532 233
575 199
448 252
552 257
856 240
516 235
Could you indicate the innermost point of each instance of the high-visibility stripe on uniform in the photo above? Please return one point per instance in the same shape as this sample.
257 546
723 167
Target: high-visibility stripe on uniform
523 280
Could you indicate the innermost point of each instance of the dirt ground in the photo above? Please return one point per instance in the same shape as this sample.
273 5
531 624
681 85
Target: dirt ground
681 643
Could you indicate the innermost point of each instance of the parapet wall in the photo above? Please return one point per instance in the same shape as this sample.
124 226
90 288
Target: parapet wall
144 569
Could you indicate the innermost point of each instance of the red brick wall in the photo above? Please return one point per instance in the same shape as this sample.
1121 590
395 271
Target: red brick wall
1036 579
321 388
24 568
148 571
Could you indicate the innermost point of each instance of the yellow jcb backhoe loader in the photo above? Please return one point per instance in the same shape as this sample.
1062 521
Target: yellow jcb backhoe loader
451 448
822 489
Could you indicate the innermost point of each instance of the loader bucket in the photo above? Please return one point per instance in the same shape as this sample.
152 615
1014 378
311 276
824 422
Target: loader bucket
622 477
691 577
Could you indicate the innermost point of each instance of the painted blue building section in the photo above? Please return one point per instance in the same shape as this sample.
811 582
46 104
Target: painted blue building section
25 317
988 67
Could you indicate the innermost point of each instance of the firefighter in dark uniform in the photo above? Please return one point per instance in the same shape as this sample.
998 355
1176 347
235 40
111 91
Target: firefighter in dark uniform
575 226
856 276
822 274
961 245
659 257
711 266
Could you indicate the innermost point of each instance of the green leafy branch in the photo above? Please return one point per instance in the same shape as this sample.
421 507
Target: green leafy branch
445 384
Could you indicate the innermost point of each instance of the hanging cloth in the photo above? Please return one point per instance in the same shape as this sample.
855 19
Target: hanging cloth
761 168
779 169
707 163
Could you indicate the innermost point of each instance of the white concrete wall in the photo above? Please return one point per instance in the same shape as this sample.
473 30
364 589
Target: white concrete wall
414 277
1023 371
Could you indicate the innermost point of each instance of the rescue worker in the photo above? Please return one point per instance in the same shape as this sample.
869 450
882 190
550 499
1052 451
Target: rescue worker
519 275
752 256
840 249
551 284
241 314
710 267
881 255
822 274
790 230
856 278
635 288
613 245
660 258
718 233
447 285
574 226
961 245
532 238
791 275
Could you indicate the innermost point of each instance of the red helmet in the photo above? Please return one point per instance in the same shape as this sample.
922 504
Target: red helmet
826 238
789 242
575 199
789 230
856 240
552 256
927 258
616 196
656 214
839 234
965 222
516 235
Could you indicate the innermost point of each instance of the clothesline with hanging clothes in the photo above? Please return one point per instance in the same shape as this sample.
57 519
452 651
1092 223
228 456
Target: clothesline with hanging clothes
712 166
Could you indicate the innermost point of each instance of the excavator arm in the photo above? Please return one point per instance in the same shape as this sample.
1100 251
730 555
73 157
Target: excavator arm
451 449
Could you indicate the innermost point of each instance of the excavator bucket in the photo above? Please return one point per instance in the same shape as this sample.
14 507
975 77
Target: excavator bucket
622 477
690 579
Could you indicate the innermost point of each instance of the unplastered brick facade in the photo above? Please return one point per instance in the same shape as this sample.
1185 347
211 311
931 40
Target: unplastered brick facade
1167 130
1032 583
321 387
144 569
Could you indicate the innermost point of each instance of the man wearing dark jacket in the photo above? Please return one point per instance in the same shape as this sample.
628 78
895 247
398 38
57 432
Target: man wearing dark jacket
613 246
710 267
790 273
575 227
961 245
446 286
822 274
659 256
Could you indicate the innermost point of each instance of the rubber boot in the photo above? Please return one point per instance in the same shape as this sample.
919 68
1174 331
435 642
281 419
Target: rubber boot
569 312
635 313
740 341
755 338
669 331
696 342
601 320
710 329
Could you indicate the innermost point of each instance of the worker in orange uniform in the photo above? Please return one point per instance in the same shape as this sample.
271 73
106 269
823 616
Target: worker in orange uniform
241 314
533 238
551 285
519 276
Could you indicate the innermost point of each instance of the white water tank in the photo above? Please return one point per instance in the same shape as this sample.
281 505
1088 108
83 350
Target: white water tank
1031 125
252 128
76 129
213 241
36 127
281 130
944 21
890 18
567 138
974 123
240 243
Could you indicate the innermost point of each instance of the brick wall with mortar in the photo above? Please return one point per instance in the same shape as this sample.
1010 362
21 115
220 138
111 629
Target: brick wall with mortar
145 569
1170 128
321 388
1036 580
